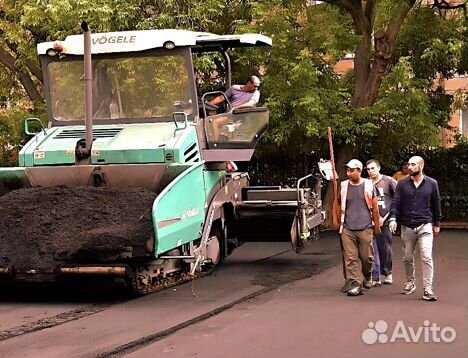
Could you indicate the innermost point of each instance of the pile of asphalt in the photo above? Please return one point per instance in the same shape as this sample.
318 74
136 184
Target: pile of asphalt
46 227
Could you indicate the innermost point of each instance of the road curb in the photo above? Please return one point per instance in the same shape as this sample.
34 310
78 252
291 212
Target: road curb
457 225
451 225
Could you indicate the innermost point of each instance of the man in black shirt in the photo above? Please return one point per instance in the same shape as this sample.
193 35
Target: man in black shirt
383 254
416 206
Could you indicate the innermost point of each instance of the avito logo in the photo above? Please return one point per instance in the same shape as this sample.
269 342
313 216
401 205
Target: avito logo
429 332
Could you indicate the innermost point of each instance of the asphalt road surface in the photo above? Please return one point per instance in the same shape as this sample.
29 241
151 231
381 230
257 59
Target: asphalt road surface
263 301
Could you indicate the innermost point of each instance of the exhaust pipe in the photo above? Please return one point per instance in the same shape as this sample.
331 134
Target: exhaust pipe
88 78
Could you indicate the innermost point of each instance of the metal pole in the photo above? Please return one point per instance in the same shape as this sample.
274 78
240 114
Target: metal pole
227 59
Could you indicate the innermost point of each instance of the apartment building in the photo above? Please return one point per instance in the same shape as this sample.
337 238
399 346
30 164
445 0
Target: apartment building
459 117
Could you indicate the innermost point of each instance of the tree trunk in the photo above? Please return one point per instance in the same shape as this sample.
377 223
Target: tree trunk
369 69
362 69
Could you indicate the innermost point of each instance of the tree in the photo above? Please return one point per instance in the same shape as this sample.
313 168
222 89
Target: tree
390 98
373 64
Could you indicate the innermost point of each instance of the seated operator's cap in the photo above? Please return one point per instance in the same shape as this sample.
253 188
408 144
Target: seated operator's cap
354 164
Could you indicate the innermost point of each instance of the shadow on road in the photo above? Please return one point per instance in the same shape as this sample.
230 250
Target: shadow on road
76 291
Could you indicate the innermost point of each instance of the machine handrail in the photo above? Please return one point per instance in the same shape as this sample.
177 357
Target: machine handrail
175 121
26 126
219 93
249 110
298 187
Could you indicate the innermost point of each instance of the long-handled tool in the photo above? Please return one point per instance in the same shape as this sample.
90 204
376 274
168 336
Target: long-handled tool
336 207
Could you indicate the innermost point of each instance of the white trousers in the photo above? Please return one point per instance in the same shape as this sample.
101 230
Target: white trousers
424 236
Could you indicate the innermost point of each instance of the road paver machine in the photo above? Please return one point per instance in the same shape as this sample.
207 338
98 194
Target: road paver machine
125 115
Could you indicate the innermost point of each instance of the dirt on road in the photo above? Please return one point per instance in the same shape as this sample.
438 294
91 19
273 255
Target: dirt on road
45 227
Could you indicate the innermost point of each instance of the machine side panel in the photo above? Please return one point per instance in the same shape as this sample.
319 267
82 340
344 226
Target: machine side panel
26 154
212 182
183 147
178 211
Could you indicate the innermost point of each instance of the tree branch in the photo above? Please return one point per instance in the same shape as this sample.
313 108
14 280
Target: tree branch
384 43
32 67
28 84
354 7
369 12
35 70
394 26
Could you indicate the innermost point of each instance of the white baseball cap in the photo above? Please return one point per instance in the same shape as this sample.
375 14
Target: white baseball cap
354 164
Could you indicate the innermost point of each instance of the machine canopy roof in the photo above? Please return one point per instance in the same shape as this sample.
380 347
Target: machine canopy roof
131 41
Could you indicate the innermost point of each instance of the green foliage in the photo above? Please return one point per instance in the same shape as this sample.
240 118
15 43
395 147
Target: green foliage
432 44
10 89
404 111
210 15
450 168
12 133
298 87
305 97
463 63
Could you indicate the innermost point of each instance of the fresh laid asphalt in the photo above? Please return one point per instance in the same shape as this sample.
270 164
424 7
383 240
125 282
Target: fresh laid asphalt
263 301
311 318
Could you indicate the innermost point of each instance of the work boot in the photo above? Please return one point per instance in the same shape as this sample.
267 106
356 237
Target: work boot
367 282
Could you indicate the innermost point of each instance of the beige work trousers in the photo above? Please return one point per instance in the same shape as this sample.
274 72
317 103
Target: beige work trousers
358 253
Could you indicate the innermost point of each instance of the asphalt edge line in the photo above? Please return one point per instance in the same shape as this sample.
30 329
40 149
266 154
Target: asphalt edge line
53 321
142 342
155 337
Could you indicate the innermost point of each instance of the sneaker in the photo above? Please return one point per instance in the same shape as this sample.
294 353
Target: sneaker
367 282
387 279
355 289
376 283
429 295
346 286
408 288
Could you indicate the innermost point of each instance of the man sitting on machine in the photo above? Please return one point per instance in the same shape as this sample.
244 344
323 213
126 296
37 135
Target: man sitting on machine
239 96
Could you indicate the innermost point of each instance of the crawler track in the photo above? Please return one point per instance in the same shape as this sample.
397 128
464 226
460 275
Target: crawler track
174 279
